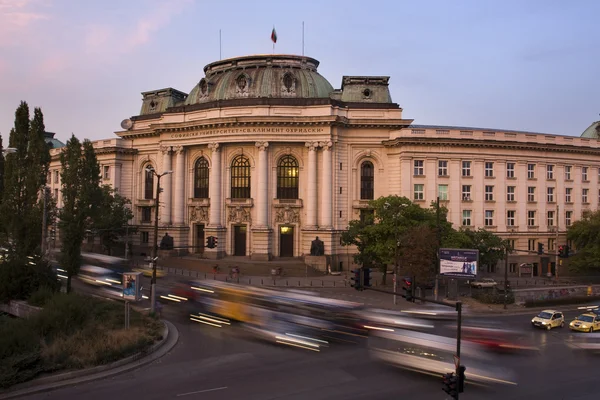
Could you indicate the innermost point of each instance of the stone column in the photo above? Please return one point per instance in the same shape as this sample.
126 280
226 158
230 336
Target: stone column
311 200
262 201
215 186
326 187
165 184
179 195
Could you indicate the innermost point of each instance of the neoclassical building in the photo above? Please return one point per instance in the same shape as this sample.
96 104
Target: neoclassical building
266 155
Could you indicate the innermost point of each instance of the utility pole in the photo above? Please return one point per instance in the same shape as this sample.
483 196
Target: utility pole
556 244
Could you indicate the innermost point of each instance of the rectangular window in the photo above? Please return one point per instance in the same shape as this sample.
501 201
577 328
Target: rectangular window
489 169
443 192
510 193
442 168
489 193
146 214
510 217
489 218
549 171
550 218
568 192
584 174
466 192
530 171
466 218
56 176
145 237
418 192
551 244
568 172
510 170
466 168
419 168
584 195
531 245
550 194
530 218
531 193
568 217
512 268
106 173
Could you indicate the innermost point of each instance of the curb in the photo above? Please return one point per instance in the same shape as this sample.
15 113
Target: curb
53 382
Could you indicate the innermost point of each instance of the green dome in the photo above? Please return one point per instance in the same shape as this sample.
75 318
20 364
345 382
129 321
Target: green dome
273 76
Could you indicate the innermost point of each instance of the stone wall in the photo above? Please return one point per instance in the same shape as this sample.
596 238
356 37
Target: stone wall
550 293
19 309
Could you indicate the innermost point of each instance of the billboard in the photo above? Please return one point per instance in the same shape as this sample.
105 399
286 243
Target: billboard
459 263
132 286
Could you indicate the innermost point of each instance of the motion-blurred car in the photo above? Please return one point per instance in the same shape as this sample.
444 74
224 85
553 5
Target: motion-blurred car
548 319
484 283
586 323
146 270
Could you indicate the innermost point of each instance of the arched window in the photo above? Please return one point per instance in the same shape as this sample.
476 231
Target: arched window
287 178
148 183
240 178
367 172
201 179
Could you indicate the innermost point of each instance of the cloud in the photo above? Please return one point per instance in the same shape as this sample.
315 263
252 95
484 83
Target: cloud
153 22
17 18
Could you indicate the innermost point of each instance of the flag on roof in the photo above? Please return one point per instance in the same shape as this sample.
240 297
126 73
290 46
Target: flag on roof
274 35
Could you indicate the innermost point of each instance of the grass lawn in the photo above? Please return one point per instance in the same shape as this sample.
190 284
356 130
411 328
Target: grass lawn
71 332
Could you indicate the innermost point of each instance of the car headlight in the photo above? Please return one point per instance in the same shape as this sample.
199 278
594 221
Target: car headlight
533 320
584 326
544 323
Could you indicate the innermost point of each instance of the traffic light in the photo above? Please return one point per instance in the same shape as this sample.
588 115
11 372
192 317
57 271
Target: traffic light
461 378
561 251
356 284
215 242
210 242
540 248
407 293
450 384
366 277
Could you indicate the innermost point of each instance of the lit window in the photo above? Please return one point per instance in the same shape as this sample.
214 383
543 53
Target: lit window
288 180
201 177
240 178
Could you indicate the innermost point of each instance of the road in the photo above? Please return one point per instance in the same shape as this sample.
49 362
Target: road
210 363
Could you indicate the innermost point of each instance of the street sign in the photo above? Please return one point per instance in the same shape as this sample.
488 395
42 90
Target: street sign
456 361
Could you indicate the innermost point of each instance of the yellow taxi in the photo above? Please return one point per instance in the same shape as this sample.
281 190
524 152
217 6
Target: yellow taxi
586 323
548 319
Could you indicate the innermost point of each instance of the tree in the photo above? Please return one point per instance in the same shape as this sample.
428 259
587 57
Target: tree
383 239
492 248
1 170
25 173
420 253
585 235
110 222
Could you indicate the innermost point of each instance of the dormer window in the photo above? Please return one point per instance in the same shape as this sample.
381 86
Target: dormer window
153 105
242 85
367 93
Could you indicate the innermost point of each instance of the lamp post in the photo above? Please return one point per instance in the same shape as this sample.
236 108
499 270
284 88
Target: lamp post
155 249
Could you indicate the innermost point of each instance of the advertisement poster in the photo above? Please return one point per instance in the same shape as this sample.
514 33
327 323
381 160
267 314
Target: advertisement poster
132 286
459 263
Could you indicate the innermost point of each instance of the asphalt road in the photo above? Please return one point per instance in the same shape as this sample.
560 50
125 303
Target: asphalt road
224 363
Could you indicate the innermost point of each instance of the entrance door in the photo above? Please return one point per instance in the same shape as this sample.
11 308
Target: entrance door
239 240
200 238
286 241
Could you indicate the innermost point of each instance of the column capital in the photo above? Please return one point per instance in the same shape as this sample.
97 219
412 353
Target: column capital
326 146
178 149
214 147
312 146
164 149
262 146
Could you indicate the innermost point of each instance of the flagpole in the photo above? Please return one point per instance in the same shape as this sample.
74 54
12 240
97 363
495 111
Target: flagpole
303 38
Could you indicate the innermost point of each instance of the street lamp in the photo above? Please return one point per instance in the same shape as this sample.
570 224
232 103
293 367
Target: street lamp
155 250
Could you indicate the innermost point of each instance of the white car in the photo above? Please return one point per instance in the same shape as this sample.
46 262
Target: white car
484 283
548 319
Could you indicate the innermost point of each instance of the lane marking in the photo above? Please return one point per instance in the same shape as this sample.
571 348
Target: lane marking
202 391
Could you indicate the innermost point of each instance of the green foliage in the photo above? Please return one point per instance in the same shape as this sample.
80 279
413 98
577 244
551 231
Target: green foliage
19 280
25 174
71 331
493 297
113 215
492 248
585 235
40 297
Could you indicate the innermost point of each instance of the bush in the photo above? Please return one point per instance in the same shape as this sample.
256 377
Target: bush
40 297
493 297
19 279
560 301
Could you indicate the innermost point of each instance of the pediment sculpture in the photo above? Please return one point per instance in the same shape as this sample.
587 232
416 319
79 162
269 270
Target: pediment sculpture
199 213
239 214
287 215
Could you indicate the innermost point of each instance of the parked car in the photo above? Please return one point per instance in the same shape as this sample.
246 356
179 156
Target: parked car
484 283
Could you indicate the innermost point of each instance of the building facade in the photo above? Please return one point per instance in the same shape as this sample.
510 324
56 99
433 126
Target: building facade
265 155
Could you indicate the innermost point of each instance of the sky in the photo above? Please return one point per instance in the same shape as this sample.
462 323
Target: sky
530 65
